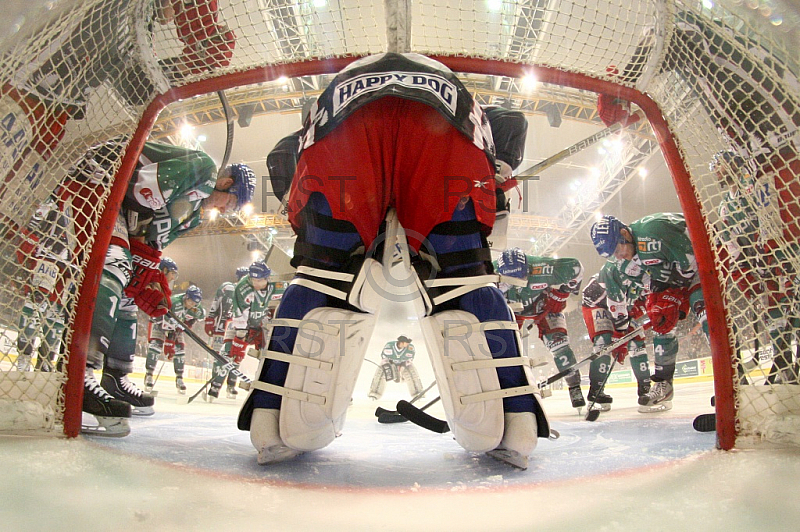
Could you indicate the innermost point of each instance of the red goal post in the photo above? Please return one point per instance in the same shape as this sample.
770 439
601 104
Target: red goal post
570 47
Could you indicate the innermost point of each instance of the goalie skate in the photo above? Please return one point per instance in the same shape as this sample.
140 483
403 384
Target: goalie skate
512 458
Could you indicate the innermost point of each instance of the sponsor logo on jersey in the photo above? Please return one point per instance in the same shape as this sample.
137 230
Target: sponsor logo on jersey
538 286
542 269
649 246
650 262
445 91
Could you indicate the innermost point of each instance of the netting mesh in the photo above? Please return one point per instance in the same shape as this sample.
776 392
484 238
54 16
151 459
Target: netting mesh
77 76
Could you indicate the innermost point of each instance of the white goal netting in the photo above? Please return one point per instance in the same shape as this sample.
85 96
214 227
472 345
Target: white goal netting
721 79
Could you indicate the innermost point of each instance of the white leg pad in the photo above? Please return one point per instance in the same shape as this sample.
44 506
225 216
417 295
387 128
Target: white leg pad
476 425
323 369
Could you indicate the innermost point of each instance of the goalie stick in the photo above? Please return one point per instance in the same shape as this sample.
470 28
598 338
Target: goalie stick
227 363
533 171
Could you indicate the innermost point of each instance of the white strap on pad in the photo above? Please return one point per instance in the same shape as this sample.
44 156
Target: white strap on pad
477 425
323 369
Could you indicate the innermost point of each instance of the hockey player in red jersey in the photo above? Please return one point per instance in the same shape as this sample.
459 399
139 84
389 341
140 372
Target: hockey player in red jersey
392 131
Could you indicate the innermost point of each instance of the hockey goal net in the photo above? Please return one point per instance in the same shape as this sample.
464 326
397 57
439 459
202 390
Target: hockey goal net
77 73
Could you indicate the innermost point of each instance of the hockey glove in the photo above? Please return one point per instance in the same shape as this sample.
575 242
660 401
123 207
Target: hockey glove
255 337
148 287
209 326
664 309
238 349
169 349
555 301
612 110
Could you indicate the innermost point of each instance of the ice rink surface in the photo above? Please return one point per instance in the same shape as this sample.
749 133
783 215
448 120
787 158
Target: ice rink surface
189 468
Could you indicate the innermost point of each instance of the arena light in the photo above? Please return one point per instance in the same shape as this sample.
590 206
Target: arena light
201 138
494 6
247 209
212 214
642 172
187 130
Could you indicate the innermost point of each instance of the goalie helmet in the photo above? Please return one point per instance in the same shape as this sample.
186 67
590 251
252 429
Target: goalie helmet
606 235
513 263
241 271
259 270
194 293
168 265
244 184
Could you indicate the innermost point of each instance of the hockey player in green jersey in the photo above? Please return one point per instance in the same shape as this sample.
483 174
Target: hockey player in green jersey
397 364
542 298
743 233
170 188
165 330
251 299
611 298
660 245
221 310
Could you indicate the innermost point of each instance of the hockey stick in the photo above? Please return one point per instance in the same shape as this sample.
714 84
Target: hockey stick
227 363
533 171
198 392
592 415
392 416
418 416
594 356
226 108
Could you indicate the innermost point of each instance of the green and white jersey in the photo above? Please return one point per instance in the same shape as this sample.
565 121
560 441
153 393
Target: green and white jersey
187 316
250 306
395 355
664 251
222 306
170 184
624 281
545 272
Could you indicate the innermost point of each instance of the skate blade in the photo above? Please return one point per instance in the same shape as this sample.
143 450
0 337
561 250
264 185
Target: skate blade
512 458
579 409
276 453
601 407
660 407
142 410
108 427
182 392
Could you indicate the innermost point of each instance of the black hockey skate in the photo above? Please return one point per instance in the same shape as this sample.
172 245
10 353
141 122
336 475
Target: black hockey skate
232 393
576 397
180 385
111 414
120 387
601 400
213 393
